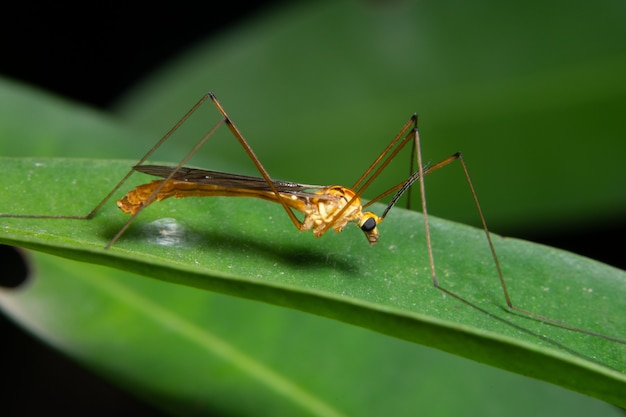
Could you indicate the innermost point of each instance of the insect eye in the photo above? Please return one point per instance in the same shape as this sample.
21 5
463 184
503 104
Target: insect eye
368 225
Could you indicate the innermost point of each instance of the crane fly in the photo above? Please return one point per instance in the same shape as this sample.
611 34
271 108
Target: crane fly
318 204
323 207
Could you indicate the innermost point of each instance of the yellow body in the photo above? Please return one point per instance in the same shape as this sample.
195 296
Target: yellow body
320 208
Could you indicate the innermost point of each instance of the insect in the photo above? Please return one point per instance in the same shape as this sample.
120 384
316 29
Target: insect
322 207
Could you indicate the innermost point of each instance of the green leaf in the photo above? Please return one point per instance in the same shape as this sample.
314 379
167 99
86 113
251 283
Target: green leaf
539 123
247 248
193 352
319 89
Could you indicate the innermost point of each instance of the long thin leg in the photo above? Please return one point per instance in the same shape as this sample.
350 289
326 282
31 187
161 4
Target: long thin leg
419 176
376 167
255 159
411 123
122 181
226 119
160 187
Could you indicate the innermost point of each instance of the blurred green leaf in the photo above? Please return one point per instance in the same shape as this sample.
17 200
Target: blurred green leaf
531 93
194 353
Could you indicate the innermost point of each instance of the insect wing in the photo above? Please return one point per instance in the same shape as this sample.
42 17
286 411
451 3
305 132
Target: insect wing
226 179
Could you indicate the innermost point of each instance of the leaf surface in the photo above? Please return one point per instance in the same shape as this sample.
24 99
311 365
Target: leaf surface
249 249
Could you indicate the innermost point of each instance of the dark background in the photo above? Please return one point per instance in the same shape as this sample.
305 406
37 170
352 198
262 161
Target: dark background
93 56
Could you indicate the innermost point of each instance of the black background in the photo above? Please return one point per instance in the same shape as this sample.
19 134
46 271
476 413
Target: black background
93 55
